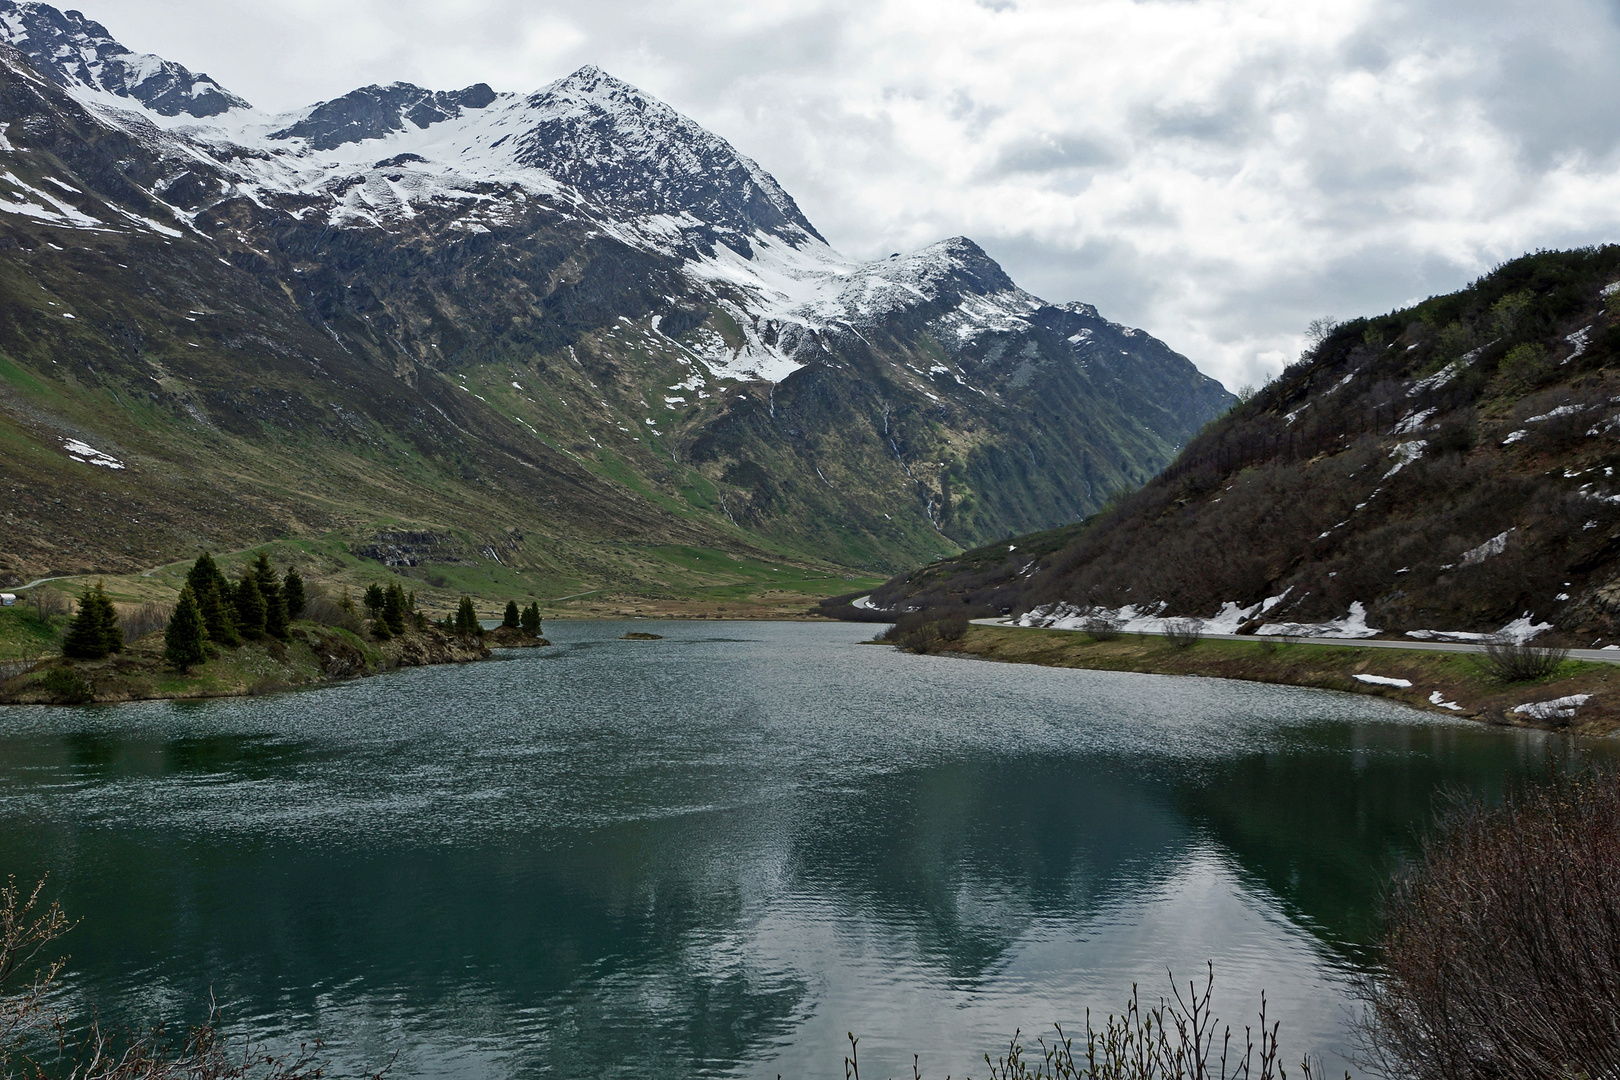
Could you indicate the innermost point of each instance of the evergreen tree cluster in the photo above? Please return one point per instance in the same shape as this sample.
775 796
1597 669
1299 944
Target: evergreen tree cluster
466 622
391 608
94 632
214 611
525 619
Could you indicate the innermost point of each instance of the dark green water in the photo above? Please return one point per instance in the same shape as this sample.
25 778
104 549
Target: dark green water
716 853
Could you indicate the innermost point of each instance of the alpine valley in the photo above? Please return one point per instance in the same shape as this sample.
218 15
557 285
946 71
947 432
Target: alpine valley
566 338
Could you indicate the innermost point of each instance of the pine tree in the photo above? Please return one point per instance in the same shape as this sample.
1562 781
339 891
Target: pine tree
216 599
531 619
86 640
185 642
250 611
394 606
203 572
373 599
112 634
292 588
467 624
275 605
512 617
219 614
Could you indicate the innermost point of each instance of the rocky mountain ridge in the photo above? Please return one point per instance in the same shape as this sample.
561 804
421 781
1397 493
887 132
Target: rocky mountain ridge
72 50
600 285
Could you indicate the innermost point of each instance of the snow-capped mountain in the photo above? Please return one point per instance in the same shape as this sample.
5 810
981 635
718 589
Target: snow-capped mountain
80 54
672 300
631 165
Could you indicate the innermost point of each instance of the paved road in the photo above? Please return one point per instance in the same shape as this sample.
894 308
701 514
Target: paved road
1602 656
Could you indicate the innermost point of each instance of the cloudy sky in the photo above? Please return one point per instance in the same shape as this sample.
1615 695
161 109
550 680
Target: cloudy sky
1218 172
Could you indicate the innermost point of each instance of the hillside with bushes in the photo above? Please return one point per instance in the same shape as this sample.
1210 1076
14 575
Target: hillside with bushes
1448 468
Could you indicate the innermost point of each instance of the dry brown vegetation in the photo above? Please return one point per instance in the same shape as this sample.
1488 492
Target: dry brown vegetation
1501 960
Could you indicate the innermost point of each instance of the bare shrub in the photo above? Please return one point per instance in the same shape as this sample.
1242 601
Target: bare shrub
47 603
1511 660
1501 952
328 612
148 618
31 1019
921 631
1180 1038
1184 633
1101 628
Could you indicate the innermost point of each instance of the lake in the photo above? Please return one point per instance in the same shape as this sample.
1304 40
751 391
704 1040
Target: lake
715 854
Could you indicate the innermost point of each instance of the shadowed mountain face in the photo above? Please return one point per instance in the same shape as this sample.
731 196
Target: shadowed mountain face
375 112
574 316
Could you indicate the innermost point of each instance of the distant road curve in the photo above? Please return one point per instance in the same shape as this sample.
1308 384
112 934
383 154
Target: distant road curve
1601 656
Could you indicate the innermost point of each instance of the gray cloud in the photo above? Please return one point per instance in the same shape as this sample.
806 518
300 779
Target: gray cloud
1218 173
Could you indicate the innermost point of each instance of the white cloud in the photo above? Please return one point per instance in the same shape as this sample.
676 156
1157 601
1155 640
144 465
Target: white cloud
1216 171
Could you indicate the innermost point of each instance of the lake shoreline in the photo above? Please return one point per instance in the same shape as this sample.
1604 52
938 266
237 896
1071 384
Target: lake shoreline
313 655
1453 684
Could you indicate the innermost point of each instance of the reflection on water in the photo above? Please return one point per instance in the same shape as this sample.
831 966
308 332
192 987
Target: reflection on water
715 854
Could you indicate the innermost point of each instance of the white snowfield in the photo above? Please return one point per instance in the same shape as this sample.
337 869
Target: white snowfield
1383 680
89 455
562 147
1557 709
1150 619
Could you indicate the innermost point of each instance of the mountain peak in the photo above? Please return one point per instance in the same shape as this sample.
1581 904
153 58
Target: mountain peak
617 143
77 52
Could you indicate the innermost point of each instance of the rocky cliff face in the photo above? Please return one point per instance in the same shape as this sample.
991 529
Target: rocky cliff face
574 312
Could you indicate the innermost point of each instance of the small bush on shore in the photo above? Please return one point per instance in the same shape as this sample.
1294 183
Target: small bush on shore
1515 661
1501 953
1184 633
1099 628
67 687
921 631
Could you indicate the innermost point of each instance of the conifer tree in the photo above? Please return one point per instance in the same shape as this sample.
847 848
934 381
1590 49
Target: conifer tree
218 612
292 588
185 642
107 615
250 612
216 598
202 573
373 599
467 624
531 619
86 638
275 605
512 618
394 606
